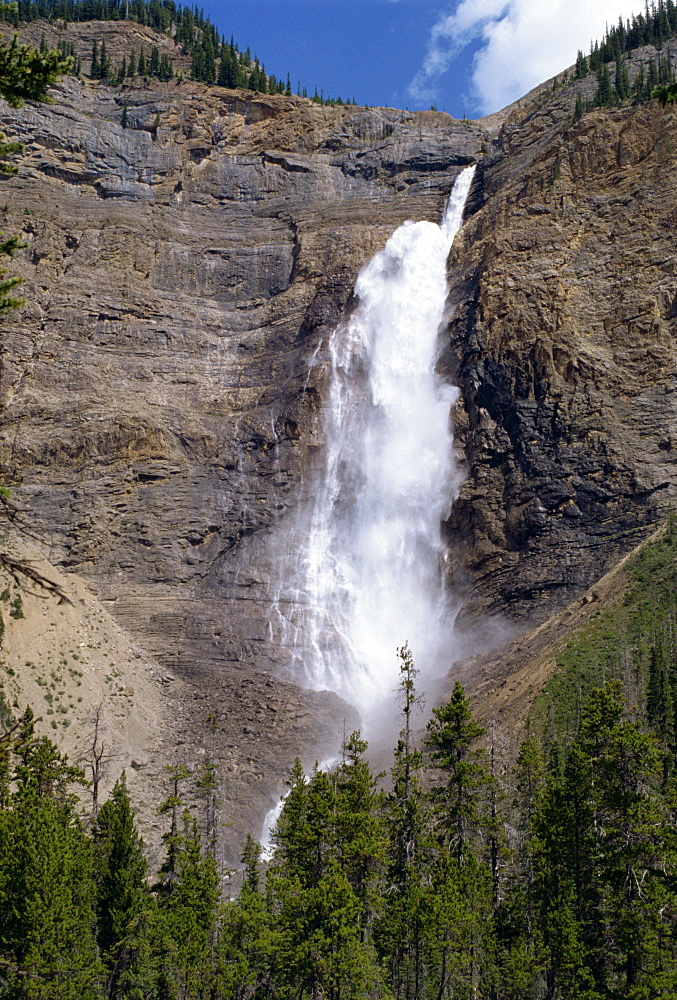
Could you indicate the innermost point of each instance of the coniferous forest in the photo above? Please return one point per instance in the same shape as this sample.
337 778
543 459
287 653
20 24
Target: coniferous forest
214 58
466 872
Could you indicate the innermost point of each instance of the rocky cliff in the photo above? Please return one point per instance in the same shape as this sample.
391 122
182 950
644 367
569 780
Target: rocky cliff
159 406
564 345
161 389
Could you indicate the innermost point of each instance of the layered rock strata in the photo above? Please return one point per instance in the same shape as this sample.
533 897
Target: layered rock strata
180 274
159 402
564 345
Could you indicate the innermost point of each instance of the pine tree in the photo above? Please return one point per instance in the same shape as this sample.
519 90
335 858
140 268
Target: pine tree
360 836
639 86
228 70
185 941
25 73
452 735
209 60
407 812
581 65
154 62
402 927
94 68
458 946
7 247
599 832
627 768
125 908
604 93
104 62
566 890
622 81
325 884
247 941
47 939
172 839
293 835
659 696
517 925
166 68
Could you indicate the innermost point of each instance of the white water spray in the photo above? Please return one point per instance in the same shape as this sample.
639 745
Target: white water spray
369 572
273 815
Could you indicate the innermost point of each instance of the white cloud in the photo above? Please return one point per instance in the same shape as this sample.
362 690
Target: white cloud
522 43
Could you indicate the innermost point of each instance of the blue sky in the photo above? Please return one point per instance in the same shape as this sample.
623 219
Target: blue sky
467 57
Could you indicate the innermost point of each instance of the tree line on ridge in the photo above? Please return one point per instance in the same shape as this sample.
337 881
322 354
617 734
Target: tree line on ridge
214 59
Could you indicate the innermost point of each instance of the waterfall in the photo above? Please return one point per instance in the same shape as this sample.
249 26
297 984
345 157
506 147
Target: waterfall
369 566
273 815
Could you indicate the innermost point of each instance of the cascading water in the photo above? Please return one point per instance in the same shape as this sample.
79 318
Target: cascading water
368 572
273 815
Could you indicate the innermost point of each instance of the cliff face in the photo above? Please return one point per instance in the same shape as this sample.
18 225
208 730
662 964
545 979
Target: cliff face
564 346
159 406
161 389
180 274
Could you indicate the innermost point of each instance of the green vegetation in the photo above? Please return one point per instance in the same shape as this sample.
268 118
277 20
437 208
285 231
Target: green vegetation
632 641
25 74
666 94
214 59
656 81
553 877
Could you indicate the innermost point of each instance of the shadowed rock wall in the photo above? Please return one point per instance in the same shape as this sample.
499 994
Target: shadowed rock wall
564 345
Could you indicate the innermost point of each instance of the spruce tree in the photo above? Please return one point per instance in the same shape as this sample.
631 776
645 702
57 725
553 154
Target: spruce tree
125 908
451 739
94 68
360 834
47 918
154 62
104 62
247 941
325 880
581 65
401 928
228 70
187 922
604 93
407 812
